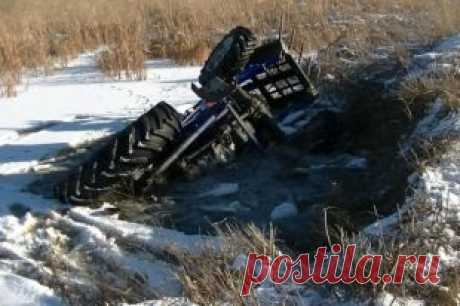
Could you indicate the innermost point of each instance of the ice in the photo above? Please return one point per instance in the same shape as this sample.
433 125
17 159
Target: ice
231 207
357 163
219 190
284 210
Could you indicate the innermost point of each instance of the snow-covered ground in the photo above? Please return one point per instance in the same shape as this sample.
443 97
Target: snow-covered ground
71 107
440 181
78 104
51 113
436 189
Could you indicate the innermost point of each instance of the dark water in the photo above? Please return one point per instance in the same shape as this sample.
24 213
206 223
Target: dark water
248 190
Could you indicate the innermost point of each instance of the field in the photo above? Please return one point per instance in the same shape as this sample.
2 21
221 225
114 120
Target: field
39 34
373 163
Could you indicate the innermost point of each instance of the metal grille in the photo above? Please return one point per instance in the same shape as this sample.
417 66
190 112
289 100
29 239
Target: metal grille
283 81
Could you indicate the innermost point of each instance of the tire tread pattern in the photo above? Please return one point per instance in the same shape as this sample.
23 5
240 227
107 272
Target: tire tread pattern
128 153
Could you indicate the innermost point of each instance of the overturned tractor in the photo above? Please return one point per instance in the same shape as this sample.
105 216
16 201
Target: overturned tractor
246 87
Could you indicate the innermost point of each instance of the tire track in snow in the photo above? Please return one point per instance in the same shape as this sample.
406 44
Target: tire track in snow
38 244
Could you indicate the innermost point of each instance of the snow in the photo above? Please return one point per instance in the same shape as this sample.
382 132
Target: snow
71 107
438 185
239 263
164 302
20 291
154 238
438 123
75 105
440 59
78 104
386 298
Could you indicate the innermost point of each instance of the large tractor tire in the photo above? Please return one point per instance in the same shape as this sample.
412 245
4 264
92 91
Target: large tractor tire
230 56
125 158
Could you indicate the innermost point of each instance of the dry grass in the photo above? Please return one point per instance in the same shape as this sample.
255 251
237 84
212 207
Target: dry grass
417 92
213 279
420 230
33 33
83 276
125 54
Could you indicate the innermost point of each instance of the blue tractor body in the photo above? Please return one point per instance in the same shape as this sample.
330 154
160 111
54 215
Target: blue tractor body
271 74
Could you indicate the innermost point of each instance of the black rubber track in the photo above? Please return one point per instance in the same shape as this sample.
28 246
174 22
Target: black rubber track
230 56
125 157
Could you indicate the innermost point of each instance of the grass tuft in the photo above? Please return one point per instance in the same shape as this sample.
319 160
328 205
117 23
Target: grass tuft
34 34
